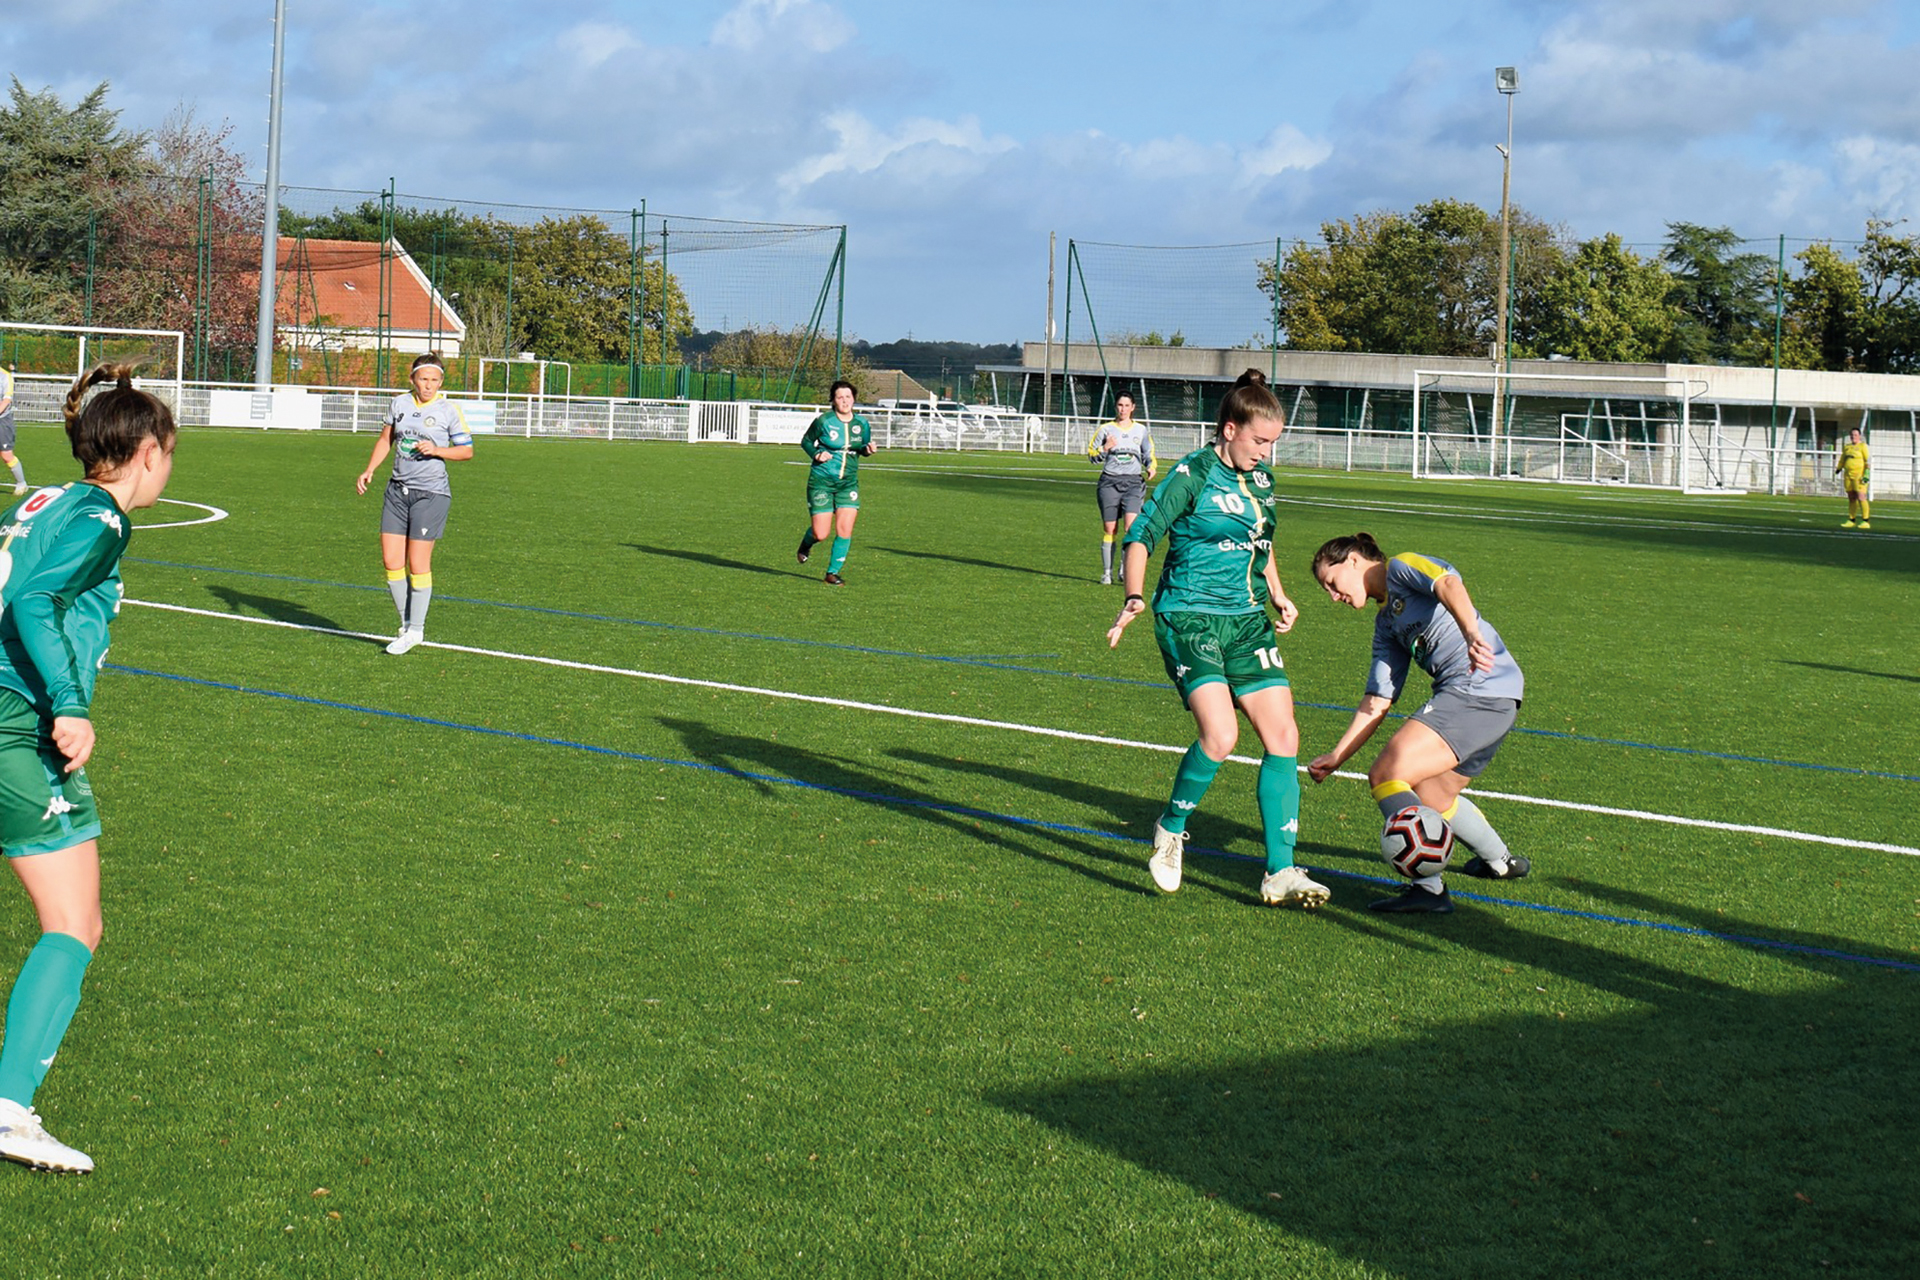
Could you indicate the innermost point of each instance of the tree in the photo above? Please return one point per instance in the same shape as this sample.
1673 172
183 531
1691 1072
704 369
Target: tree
779 351
571 294
1890 279
1825 305
182 231
60 167
1423 282
1605 302
1724 298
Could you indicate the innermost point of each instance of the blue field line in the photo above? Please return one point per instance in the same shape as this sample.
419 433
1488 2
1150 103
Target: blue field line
968 811
989 660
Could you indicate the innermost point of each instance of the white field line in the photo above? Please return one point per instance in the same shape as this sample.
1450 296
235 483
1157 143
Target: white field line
976 722
214 514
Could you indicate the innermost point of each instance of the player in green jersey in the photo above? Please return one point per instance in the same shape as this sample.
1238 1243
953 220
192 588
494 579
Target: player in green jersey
60 551
1215 508
836 442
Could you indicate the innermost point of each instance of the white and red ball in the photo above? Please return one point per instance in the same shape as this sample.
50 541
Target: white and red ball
1417 842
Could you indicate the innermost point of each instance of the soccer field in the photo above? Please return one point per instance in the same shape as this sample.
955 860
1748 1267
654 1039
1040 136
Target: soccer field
668 912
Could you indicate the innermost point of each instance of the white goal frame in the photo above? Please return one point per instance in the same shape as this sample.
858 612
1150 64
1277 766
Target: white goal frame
1697 463
84 331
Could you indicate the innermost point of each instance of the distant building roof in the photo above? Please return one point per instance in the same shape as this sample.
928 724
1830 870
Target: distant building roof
889 384
337 282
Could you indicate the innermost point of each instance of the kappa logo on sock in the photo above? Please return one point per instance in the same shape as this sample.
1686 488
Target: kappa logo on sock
1292 828
1186 806
59 804
48 1060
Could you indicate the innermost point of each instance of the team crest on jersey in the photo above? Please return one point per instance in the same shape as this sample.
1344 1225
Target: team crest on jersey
1260 480
1398 604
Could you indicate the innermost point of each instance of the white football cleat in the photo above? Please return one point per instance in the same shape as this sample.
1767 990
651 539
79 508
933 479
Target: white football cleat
23 1139
19 489
1169 847
405 641
1291 887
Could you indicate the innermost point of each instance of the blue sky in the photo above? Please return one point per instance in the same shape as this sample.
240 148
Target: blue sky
952 138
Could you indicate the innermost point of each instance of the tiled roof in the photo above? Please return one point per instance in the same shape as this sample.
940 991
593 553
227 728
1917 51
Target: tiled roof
339 280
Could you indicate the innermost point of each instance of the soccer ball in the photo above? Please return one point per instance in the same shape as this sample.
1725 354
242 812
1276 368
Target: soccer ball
1417 842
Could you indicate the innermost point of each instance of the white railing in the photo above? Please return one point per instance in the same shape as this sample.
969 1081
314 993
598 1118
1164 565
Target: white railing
1571 458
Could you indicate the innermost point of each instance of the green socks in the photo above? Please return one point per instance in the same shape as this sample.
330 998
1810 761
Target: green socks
1278 789
44 997
1190 785
839 556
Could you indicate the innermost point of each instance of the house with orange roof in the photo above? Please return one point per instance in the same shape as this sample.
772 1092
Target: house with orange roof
328 298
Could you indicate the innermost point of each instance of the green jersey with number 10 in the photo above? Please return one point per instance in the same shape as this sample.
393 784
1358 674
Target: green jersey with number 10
1218 523
60 553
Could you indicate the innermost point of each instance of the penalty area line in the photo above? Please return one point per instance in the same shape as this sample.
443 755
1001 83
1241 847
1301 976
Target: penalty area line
1011 726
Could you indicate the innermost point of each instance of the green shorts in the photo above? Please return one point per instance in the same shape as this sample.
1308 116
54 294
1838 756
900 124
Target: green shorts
1202 648
831 495
42 808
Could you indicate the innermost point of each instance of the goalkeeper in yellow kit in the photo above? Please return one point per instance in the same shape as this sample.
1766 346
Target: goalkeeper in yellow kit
1851 466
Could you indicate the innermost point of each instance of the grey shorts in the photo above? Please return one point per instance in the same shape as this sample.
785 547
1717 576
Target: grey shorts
7 433
1120 494
415 514
1473 727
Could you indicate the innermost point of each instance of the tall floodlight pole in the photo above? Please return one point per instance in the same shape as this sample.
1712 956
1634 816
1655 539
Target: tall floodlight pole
1507 81
270 230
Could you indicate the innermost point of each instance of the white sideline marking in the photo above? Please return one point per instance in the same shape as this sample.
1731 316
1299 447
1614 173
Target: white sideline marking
1068 735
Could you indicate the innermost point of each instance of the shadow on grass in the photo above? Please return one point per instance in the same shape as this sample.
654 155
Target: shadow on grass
974 562
1131 816
273 607
1710 1131
748 756
717 562
1852 671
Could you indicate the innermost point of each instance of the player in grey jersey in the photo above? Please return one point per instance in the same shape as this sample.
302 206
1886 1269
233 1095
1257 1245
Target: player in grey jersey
1426 618
424 431
1124 450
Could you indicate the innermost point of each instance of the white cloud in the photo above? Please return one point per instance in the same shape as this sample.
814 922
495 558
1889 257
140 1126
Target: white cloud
932 148
592 43
805 24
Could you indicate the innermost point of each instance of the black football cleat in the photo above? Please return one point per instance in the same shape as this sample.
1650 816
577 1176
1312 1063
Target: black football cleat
834 580
1414 899
1476 866
804 553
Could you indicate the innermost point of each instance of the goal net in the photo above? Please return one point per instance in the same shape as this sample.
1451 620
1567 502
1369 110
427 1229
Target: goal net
1569 429
46 358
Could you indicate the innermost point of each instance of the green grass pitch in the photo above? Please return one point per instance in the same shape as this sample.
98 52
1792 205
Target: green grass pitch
526 962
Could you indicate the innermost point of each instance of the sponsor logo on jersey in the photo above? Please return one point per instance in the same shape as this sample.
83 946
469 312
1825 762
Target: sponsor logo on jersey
111 519
1182 470
15 530
1258 544
39 502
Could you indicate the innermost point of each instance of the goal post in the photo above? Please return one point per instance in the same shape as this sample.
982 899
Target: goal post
163 350
1570 429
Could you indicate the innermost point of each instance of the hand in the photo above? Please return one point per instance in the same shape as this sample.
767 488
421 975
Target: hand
1128 612
1289 614
823 456
73 735
1479 653
424 449
366 478
1321 767
866 450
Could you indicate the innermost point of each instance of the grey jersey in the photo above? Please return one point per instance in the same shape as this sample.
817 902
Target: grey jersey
1122 450
438 421
1413 626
